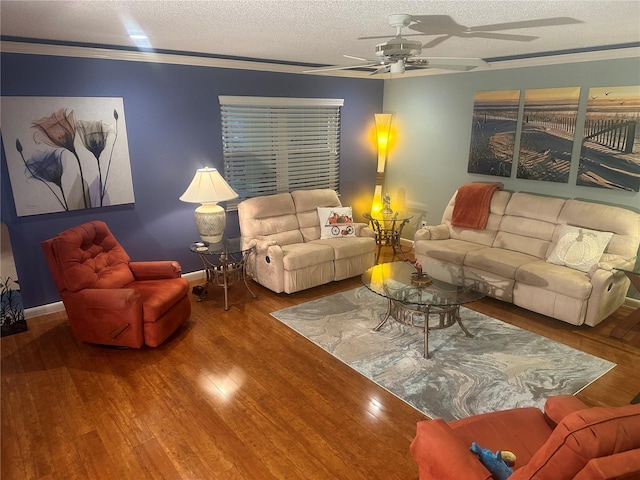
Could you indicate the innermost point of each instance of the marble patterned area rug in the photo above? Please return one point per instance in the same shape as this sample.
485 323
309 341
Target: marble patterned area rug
501 367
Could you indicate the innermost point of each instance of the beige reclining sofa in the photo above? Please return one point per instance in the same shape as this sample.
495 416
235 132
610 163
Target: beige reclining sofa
530 253
289 253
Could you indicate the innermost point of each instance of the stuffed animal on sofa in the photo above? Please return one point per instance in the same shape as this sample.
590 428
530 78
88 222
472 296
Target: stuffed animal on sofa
494 462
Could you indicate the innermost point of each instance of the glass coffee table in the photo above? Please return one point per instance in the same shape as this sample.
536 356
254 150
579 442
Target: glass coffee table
412 300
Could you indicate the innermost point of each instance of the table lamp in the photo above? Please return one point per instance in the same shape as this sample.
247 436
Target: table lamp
208 188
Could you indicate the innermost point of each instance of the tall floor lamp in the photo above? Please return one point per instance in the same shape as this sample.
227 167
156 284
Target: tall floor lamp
383 129
208 188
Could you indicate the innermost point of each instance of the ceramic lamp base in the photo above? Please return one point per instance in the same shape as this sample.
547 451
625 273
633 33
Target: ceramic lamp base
210 222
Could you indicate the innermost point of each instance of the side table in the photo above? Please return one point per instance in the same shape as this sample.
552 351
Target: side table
633 272
388 229
224 264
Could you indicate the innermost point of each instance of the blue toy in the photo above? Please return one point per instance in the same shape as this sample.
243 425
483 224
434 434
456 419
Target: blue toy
492 462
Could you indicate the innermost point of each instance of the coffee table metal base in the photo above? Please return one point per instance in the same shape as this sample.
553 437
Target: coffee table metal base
405 314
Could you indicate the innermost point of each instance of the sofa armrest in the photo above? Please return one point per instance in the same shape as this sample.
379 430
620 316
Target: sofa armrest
155 270
432 232
363 230
610 262
559 406
440 454
263 244
619 465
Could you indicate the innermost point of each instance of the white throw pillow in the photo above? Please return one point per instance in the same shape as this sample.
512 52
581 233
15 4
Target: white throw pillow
336 222
579 248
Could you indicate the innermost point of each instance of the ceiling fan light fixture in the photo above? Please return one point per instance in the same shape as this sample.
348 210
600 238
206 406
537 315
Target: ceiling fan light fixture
398 47
397 67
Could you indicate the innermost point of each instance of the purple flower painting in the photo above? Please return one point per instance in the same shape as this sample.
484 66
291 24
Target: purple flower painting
70 153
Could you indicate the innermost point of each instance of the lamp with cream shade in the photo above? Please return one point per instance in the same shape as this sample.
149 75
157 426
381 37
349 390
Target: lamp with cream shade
208 188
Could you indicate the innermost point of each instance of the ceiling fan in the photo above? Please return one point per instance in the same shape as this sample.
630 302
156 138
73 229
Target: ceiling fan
398 53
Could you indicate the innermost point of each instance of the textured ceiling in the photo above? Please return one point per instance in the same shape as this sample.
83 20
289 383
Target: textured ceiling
321 31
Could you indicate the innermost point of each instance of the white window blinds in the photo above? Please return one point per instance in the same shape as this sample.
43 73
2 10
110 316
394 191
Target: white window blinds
275 145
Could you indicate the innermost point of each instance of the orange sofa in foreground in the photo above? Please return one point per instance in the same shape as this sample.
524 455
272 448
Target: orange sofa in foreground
569 441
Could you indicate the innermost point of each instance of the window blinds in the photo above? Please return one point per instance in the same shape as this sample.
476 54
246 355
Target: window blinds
274 145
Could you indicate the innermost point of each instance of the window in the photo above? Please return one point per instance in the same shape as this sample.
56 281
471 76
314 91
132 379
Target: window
275 145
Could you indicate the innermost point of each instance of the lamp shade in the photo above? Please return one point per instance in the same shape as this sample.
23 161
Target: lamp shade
208 187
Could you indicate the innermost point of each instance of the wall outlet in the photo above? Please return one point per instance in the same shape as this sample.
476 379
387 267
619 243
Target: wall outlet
423 223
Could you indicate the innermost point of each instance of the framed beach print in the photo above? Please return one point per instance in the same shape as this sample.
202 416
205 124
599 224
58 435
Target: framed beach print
547 135
610 152
495 116
66 153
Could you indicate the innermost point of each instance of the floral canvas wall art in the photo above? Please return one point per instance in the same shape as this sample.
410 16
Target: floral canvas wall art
66 153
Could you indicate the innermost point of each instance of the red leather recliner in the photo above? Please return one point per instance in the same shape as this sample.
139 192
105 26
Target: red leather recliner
109 299
569 441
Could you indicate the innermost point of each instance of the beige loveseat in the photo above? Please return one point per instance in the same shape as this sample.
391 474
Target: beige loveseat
511 255
289 254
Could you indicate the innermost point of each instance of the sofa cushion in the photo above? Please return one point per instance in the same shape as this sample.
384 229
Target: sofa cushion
270 216
623 222
89 256
520 430
537 207
590 433
556 278
336 222
349 247
306 203
579 248
523 244
497 260
302 255
486 236
450 250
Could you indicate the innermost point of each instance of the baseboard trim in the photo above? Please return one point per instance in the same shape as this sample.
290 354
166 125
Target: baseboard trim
199 275
59 306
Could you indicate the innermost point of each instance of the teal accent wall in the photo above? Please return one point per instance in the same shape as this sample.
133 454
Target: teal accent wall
432 124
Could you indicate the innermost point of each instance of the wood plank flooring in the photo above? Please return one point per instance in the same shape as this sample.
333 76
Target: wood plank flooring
232 395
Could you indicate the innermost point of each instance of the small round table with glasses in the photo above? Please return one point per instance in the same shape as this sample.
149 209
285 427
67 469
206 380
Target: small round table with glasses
224 264
413 299
632 271
388 229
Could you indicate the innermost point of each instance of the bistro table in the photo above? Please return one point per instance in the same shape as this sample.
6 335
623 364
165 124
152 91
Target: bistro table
388 229
633 272
224 264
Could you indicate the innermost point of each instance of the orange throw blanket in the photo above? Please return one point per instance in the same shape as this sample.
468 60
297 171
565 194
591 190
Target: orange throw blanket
471 209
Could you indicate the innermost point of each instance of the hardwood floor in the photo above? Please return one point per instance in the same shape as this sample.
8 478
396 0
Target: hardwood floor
232 395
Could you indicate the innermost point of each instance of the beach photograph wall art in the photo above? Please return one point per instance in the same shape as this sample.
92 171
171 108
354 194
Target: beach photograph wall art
66 153
547 134
610 153
493 132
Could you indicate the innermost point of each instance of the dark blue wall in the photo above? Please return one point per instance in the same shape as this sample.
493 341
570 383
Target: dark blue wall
173 127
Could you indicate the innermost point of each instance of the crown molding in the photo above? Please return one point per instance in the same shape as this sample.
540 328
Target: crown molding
29 48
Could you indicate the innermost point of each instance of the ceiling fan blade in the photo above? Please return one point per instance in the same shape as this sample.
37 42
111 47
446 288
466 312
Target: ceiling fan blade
382 69
501 36
443 62
435 25
327 69
446 66
542 22
357 58
377 37
436 41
